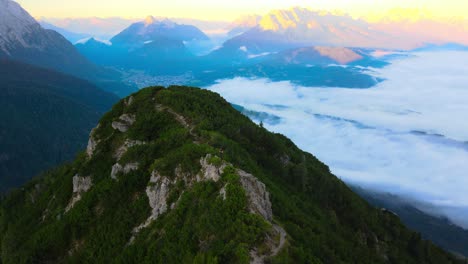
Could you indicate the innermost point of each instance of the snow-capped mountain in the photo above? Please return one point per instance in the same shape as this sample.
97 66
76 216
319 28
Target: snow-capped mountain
152 29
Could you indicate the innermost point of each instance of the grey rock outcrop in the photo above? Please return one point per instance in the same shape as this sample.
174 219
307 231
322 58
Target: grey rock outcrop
124 148
259 198
129 101
157 192
223 192
80 186
210 171
117 168
124 122
159 188
92 143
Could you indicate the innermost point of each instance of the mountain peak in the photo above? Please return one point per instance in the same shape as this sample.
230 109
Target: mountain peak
152 29
150 20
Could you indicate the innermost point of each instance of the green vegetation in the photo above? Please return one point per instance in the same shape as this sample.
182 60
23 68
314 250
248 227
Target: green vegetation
324 220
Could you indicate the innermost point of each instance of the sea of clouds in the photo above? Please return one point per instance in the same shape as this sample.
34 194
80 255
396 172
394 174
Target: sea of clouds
408 135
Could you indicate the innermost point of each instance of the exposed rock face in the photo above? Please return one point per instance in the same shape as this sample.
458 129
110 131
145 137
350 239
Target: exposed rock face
124 123
117 168
80 186
15 24
223 193
157 192
92 143
259 198
159 188
124 148
129 119
210 171
129 101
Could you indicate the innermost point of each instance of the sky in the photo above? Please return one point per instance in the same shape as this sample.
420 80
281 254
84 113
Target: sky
406 136
228 10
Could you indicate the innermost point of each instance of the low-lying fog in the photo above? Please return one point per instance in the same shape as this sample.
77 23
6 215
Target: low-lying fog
408 135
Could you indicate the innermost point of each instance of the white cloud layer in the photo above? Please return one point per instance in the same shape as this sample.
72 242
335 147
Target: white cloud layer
408 135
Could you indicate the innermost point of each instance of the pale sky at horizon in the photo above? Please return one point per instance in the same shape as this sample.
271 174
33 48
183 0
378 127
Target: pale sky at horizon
227 10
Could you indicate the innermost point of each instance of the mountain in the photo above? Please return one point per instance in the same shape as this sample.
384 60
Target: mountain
300 27
152 45
159 56
46 117
179 176
73 37
98 52
23 39
151 29
440 230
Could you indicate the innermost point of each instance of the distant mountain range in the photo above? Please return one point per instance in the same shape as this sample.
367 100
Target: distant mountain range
160 47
